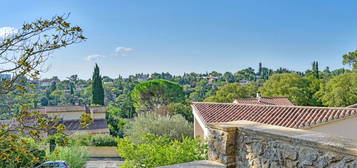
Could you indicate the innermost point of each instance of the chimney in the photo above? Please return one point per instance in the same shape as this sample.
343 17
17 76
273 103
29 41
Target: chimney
258 96
89 110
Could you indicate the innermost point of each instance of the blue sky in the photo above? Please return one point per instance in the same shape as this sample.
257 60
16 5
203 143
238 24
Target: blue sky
177 36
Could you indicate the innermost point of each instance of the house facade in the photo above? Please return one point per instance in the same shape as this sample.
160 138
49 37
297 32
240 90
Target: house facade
70 117
330 120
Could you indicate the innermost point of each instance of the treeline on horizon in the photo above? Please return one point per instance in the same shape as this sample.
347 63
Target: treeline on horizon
196 86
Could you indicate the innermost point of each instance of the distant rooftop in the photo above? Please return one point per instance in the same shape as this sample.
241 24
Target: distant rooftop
96 127
53 109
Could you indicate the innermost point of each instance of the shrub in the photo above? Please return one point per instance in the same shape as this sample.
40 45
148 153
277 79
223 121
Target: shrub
160 151
183 109
174 127
75 156
19 152
103 140
81 139
58 138
117 125
85 139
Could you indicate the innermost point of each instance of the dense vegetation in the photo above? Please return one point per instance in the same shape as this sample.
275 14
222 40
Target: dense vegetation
154 151
122 100
174 127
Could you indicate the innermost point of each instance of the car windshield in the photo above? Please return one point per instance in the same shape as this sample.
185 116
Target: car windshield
52 165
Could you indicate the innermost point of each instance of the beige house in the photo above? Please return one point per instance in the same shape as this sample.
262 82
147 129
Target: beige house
70 117
330 120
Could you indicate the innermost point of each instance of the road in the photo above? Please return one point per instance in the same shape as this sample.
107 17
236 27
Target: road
103 163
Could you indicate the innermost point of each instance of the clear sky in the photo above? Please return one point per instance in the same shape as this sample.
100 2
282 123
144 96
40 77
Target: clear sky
177 36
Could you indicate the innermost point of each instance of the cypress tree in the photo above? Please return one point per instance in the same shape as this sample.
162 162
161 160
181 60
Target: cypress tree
260 69
97 87
315 69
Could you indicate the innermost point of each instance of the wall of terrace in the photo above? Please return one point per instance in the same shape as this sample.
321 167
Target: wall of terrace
248 144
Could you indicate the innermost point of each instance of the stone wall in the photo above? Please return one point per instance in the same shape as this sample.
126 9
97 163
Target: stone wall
247 144
102 151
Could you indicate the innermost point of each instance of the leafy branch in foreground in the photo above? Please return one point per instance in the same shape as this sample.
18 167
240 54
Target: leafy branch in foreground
22 53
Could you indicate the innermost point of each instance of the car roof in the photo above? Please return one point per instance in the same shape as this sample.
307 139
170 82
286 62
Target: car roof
57 161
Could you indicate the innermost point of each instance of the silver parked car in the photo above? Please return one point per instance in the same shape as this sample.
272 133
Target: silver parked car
53 164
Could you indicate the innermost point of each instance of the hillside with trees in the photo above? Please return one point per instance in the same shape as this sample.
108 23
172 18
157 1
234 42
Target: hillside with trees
150 113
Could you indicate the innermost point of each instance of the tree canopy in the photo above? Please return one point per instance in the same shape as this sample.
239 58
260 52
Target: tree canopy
232 91
351 59
341 90
288 85
24 52
151 95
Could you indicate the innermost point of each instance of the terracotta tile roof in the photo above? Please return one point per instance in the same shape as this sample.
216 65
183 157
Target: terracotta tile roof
75 125
282 101
286 116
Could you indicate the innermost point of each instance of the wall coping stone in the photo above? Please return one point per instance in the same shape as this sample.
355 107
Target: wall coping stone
196 164
308 138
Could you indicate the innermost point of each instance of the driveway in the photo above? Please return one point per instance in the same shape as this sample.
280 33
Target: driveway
104 163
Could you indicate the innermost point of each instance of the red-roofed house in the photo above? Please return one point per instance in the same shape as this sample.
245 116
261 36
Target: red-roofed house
335 121
280 101
70 116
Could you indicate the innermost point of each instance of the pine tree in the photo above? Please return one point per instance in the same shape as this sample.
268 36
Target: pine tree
97 87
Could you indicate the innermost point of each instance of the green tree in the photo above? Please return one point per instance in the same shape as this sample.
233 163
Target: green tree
228 77
314 85
183 109
122 107
24 52
246 74
97 87
151 95
288 85
315 69
232 91
174 127
350 59
340 90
